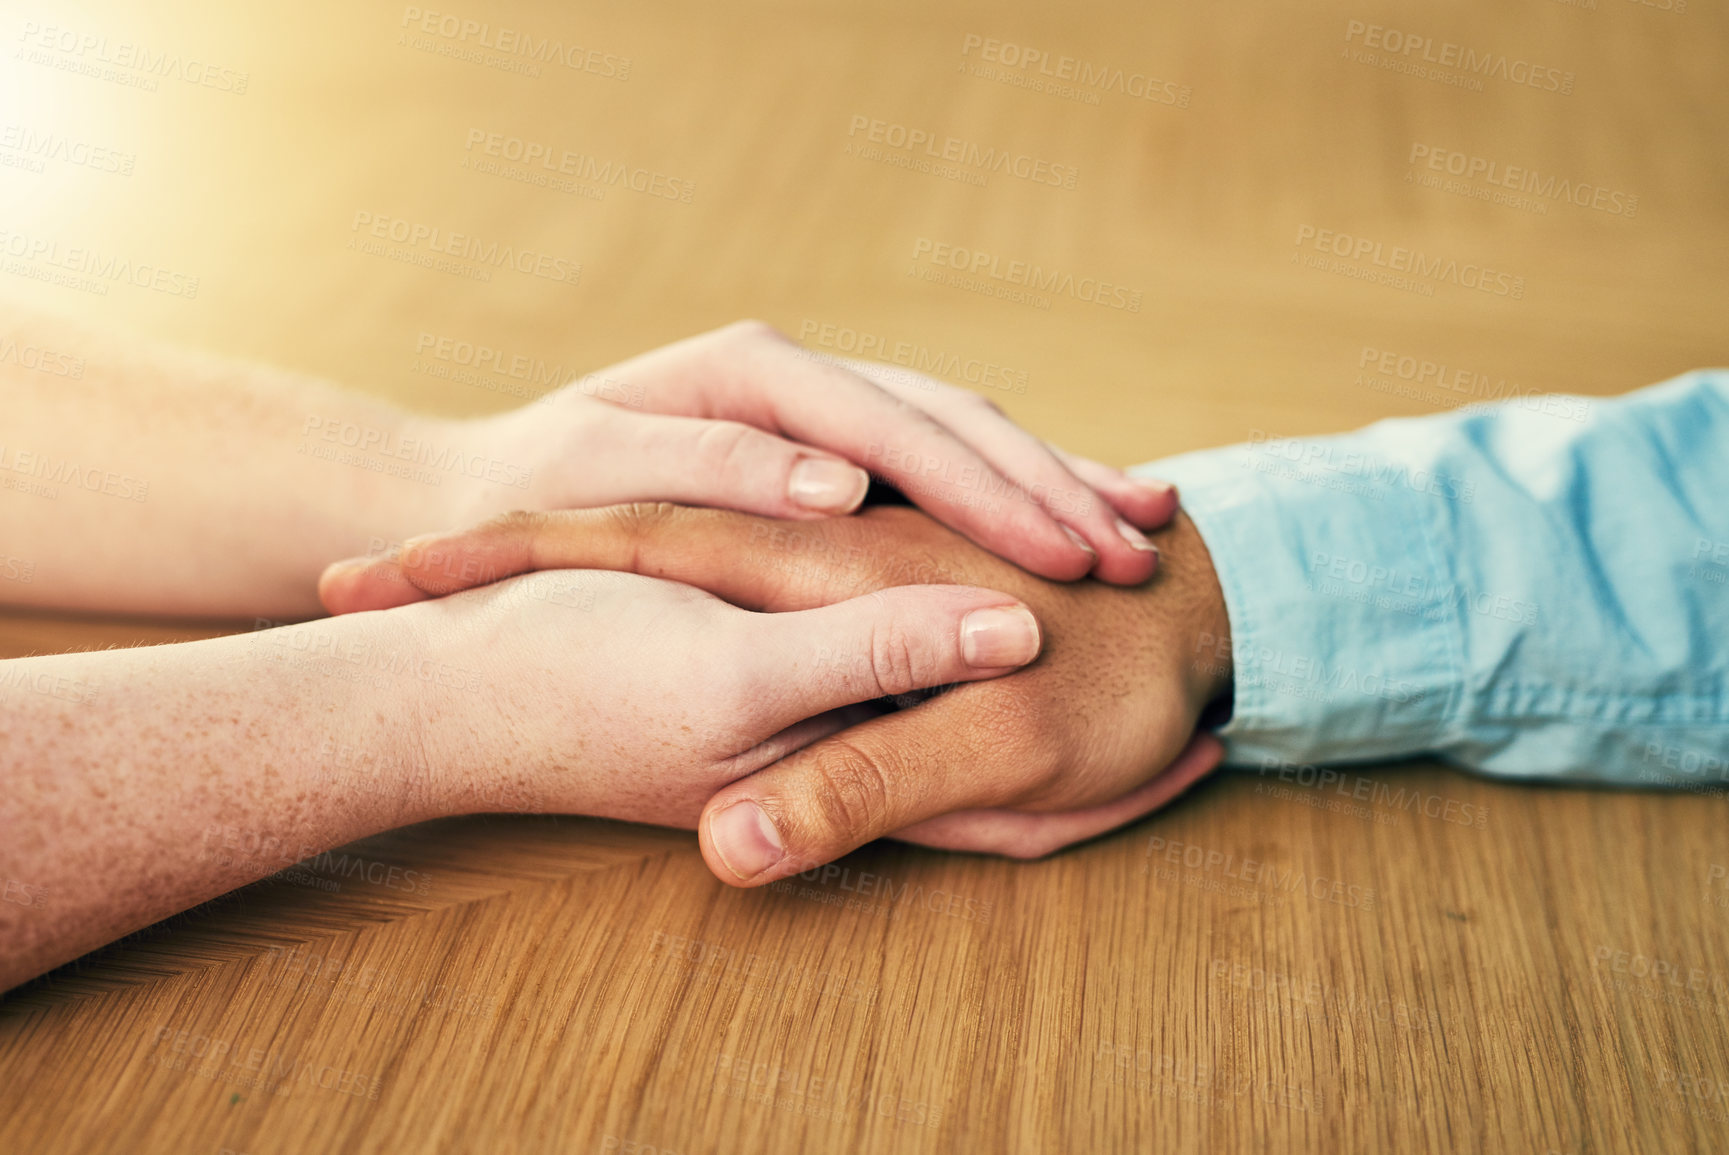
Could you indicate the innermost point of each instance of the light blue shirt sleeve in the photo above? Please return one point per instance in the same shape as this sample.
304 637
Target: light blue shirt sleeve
1538 588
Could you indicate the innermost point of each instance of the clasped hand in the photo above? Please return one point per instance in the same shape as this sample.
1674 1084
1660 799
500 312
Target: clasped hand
748 711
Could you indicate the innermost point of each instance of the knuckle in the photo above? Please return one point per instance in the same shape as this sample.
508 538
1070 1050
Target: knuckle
639 521
728 447
742 700
1027 742
513 522
752 329
1044 766
1038 749
898 664
852 792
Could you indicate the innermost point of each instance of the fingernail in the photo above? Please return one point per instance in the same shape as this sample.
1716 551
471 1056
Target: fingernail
827 486
1160 489
745 839
1135 537
1004 636
1078 540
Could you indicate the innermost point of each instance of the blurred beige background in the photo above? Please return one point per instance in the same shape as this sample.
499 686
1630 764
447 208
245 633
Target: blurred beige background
1504 993
751 106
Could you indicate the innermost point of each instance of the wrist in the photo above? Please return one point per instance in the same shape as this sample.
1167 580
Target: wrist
491 465
366 681
463 752
1194 605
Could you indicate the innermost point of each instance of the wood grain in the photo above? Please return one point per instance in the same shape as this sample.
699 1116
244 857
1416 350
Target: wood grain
1267 965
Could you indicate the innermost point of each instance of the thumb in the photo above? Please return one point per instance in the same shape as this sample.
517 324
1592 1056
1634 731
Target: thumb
884 775
892 642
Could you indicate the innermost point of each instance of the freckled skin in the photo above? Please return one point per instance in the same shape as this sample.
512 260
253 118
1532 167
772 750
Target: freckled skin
184 771
143 799
119 808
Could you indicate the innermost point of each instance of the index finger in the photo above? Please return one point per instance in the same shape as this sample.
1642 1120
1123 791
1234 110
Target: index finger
700 547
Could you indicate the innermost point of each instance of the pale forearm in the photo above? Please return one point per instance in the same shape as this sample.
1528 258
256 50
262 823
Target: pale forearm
137 783
149 479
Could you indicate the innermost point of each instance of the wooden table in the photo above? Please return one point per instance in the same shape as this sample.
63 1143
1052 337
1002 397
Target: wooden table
1416 959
